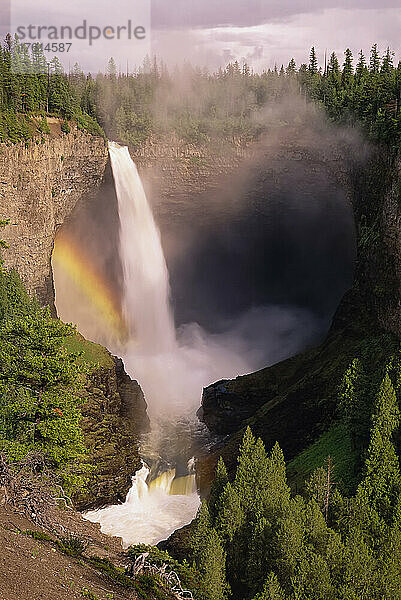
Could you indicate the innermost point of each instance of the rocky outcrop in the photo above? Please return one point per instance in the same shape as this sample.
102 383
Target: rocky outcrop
382 258
176 170
40 184
114 415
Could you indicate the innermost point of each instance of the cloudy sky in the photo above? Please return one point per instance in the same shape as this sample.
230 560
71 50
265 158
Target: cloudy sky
265 32
212 32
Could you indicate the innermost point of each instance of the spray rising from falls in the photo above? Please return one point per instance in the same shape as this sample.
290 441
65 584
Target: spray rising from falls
171 367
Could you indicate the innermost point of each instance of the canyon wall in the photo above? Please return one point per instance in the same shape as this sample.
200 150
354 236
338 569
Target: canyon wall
295 401
385 255
40 184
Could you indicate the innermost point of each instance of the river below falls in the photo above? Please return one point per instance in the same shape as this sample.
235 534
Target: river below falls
163 496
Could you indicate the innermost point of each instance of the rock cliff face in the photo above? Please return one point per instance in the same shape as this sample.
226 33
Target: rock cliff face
176 170
40 184
379 221
114 415
390 315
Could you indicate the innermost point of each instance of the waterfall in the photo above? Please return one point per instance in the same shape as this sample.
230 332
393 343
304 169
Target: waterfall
146 294
171 369
152 510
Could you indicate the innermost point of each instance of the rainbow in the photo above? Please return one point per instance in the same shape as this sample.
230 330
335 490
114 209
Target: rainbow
72 260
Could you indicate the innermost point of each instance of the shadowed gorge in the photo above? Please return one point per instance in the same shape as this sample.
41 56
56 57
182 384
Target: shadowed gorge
233 228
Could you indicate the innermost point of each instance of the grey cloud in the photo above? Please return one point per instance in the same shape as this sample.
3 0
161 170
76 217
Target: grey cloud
4 18
240 13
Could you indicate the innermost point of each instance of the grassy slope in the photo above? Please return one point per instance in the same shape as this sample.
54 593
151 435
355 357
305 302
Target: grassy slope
335 443
91 354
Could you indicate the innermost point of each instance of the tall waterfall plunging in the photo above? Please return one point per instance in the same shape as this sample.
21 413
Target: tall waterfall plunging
171 367
146 301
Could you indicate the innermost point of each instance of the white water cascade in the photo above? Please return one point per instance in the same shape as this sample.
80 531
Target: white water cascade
151 511
171 368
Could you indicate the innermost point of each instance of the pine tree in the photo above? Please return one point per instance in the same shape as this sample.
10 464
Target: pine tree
212 565
39 393
381 485
200 532
111 68
313 63
361 67
333 68
230 514
388 61
291 68
354 404
251 474
277 493
259 552
374 63
218 485
272 589
360 577
348 69
289 540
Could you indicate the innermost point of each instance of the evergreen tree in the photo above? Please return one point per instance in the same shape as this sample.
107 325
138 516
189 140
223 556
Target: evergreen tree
381 485
230 515
354 404
348 69
313 63
272 589
360 578
219 483
251 475
212 565
387 63
361 67
374 63
111 68
201 529
39 392
291 68
333 67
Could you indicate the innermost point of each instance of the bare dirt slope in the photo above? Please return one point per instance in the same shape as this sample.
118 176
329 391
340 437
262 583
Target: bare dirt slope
34 569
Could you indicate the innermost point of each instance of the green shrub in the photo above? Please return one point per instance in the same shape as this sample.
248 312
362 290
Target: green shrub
88 594
65 127
189 576
88 124
38 535
44 126
40 392
72 545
